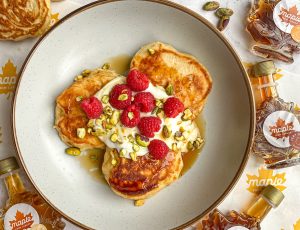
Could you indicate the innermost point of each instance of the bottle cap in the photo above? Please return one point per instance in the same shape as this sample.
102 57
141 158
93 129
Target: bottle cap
264 68
8 165
273 195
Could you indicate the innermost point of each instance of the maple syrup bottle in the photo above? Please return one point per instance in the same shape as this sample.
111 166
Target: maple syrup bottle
277 131
24 209
269 198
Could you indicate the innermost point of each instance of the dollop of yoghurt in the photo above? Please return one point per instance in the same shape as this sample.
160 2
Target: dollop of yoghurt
126 136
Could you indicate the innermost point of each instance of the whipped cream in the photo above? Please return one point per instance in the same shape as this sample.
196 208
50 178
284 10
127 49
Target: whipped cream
190 133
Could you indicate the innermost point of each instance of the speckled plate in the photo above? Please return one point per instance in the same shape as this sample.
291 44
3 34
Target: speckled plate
85 39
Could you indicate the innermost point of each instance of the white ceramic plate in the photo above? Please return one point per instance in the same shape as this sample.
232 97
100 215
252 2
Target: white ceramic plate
85 39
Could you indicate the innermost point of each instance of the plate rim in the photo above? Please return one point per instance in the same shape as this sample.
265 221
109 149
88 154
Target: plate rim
200 19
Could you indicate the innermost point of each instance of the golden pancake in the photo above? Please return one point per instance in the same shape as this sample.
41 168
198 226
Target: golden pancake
23 19
70 116
143 178
163 65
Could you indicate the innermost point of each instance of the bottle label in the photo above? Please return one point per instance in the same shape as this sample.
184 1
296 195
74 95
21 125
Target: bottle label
279 126
238 228
20 217
286 16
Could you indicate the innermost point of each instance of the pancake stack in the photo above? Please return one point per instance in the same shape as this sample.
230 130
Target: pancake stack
163 65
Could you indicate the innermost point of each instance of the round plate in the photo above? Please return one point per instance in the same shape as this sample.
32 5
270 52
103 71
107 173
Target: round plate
85 39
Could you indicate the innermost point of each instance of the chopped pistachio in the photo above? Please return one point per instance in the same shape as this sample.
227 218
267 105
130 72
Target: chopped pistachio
81 133
105 99
159 103
99 122
139 202
73 151
198 143
114 162
79 98
86 72
106 66
160 113
130 138
78 77
179 122
91 123
170 89
166 131
99 132
142 141
123 97
154 111
107 110
174 147
89 130
135 147
133 156
187 115
114 137
115 117
190 145
109 126
151 51
178 136
102 117
130 115
122 153
181 129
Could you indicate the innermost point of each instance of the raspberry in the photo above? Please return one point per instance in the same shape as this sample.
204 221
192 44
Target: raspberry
120 96
92 107
130 116
158 149
149 125
137 81
145 101
172 107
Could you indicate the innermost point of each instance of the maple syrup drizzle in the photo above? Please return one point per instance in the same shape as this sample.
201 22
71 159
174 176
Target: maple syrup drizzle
92 160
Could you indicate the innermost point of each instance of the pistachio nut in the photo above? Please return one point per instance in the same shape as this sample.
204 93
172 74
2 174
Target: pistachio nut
139 202
78 77
85 72
166 131
155 110
190 146
81 133
91 123
174 147
159 103
106 66
130 138
114 137
141 140
105 99
73 151
151 51
114 162
170 89
79 98
115 117
122 152
160 113
123 97
135 147
211 6
178 136
107 110
187 115
224 12
133 156
223 23
198 143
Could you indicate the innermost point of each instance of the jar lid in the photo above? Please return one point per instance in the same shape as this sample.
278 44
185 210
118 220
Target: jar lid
264 68
8 164
273 195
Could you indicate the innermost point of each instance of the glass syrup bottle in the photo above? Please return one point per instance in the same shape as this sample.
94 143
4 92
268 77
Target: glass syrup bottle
269 198
24 209
277 131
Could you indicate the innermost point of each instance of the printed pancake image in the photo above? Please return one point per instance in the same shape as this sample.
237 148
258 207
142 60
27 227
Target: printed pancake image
145 121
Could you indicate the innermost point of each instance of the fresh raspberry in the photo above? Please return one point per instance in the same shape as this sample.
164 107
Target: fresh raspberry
145 101
172 107
149 125
137 81
92 107
120 96
130 116
158 149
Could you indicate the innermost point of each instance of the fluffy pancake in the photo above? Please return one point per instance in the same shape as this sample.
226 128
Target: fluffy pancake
69 116
23 19
163 65
143 178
